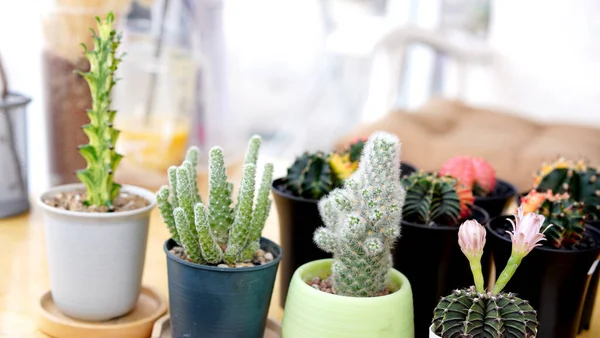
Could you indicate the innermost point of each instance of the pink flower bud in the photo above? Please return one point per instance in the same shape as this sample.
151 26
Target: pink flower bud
526 233
471 238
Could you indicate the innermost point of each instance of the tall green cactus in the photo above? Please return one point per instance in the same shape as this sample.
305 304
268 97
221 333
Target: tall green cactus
216 232
362 220
100 155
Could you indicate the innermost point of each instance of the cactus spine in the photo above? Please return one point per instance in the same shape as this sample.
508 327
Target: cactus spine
100 155
563 212
577 179
217 232
362 220
435 199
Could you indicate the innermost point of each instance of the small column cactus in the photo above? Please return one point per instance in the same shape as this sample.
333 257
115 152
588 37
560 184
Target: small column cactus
362 220
100 155
475 312
217 232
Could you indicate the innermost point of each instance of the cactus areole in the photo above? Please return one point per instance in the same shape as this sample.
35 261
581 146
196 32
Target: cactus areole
100 155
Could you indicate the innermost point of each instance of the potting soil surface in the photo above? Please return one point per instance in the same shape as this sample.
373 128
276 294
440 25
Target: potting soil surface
74 201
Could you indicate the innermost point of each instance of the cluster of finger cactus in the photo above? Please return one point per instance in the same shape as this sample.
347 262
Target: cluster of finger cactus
435 199
473 172
100 155
564 213
362 220
475 312
215 231
314 175
580 181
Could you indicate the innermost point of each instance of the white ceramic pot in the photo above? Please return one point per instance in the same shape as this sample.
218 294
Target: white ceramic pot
432 334
96 260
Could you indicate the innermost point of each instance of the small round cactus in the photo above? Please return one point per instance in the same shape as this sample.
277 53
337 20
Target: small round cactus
473 172
579 180
475 312
435 199
310 176
563 212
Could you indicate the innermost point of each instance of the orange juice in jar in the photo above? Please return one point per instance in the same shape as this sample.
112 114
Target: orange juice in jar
155 142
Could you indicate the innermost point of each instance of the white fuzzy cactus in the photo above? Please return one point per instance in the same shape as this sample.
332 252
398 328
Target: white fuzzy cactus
362 220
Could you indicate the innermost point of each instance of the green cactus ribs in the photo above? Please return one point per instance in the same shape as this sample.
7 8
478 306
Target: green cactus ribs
431 199
100 155
467 313
310 176
216 231
362 220
577 179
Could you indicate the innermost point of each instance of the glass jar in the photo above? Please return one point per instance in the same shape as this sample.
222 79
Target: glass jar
66 25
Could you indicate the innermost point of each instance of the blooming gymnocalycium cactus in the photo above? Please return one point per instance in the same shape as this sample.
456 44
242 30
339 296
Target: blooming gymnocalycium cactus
362 220
216 232
474 172
100 155
475 312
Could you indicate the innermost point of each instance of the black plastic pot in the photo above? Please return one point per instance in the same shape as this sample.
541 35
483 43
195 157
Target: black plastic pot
298 219
207 301
590 298
431 259
496 202
553 281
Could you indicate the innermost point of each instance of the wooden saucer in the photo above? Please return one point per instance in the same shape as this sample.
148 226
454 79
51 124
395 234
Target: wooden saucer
137 323
162 328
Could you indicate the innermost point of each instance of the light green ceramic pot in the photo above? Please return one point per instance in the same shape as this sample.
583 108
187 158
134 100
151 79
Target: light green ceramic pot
316 314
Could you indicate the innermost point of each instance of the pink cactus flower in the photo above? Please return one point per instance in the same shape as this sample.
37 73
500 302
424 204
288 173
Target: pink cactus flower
526 233
471 238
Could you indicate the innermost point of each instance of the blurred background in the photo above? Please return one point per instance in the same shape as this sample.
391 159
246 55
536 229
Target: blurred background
510 80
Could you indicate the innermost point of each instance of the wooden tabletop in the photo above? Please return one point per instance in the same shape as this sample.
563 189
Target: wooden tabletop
24 272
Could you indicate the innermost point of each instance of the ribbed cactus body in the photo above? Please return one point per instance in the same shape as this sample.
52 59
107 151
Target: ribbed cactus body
216 232
564 213
473 172
310 176
576 179
100 155
432 199
362 220
469 314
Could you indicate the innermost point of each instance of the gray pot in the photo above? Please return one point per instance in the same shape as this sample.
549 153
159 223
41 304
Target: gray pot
96 260
13 155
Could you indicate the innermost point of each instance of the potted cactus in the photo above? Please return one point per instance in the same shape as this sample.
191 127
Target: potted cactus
434 208
476 312
96 231
357 293
311 177
556 276
581 182
491 193
221 271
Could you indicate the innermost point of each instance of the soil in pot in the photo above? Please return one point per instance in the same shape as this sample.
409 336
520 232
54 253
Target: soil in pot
496 202
440 267
555 281
73 201
213 301
298 219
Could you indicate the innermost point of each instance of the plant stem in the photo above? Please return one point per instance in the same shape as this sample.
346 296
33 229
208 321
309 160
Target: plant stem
507 273
477 274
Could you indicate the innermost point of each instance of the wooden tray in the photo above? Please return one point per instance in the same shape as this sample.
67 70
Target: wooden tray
137 323
162 328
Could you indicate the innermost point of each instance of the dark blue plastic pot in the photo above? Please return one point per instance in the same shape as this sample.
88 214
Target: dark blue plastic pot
207 301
